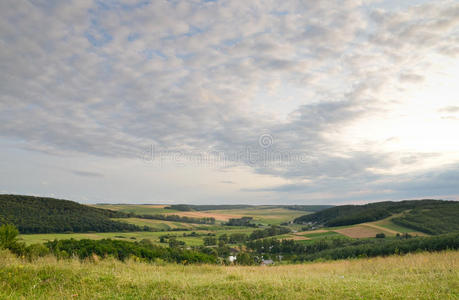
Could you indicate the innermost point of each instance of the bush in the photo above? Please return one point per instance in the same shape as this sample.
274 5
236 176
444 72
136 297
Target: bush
8 236
35 250
210 241
122 250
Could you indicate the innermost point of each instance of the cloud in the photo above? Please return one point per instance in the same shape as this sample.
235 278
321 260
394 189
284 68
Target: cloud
407 77
449 109
110 78
227 182
432 183
87 173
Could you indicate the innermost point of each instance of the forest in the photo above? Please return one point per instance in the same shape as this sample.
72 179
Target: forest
47 215
434 220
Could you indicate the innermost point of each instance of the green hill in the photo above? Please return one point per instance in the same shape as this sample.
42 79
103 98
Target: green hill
431 220
429 216
47 215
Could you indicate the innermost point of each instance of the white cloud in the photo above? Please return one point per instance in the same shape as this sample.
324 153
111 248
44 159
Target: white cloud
109 79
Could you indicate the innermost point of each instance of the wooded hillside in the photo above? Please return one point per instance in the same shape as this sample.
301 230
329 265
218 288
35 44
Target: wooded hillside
47 215
429 216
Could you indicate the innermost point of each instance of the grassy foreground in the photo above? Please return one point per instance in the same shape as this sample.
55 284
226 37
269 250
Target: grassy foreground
414 276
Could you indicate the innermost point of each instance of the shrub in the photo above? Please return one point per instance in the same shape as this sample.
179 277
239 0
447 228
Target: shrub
35 250
8 236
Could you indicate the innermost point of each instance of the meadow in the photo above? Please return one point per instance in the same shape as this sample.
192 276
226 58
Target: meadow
133 236
413 276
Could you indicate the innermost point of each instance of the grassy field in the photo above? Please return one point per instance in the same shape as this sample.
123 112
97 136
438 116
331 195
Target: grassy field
260 214
133 236
127 236
414 276
159 224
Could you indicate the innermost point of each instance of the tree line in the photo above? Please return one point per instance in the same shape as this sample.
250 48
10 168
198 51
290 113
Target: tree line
343 248
175 218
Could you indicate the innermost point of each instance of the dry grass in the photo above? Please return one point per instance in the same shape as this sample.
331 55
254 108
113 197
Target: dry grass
384 230
414 276
359 231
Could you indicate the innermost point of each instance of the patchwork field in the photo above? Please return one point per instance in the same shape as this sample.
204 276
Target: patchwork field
413 276
261 214
264 215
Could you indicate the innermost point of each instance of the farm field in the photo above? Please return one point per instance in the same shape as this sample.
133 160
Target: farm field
413 276
363 230
266 216
133 236
160 224
261 214
224 217
360 231
128 236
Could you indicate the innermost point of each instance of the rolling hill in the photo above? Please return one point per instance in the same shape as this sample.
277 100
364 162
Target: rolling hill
428 216
47 215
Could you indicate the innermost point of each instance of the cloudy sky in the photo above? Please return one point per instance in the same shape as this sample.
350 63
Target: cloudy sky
138 101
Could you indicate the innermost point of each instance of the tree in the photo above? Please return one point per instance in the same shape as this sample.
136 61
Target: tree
174 243
8 236
244 258
223 238
210 241
237 238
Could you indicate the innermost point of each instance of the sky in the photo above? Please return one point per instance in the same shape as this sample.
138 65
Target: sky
230 102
